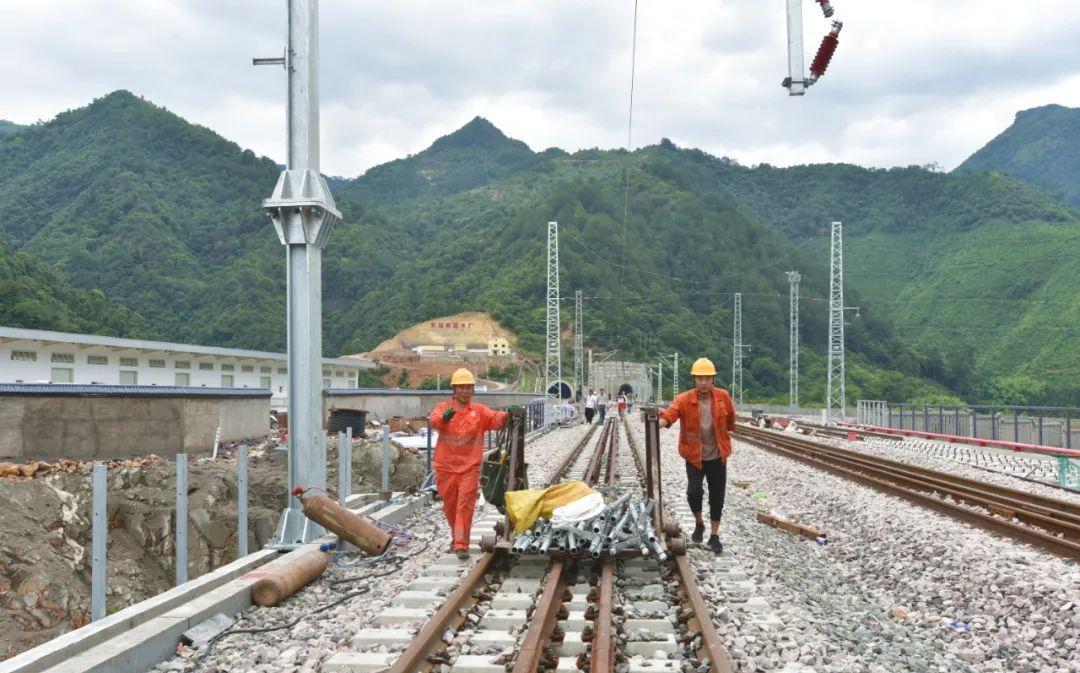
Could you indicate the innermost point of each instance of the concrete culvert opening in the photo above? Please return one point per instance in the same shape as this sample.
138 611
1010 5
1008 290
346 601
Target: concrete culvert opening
626 389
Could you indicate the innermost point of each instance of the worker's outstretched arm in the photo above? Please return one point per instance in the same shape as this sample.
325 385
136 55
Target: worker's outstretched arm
671 414
732 414
436 417
496 420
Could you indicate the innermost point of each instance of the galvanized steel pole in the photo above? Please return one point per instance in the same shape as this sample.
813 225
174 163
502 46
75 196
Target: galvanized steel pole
304 214
344 465
181 517
242 501
99 537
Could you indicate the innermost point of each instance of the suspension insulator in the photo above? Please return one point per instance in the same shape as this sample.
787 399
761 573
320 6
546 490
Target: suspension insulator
825 51
826 8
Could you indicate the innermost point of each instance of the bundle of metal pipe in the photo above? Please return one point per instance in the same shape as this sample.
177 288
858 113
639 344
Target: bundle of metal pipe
623 525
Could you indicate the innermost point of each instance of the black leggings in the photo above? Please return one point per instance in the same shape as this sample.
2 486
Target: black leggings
715 471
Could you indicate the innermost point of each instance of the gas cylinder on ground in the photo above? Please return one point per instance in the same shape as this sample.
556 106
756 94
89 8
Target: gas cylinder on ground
356 529
284 581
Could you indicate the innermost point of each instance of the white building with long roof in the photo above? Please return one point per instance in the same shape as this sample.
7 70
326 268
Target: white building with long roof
41 356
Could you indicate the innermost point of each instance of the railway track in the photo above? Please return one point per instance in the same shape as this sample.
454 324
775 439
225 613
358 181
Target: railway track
1053 525
565 612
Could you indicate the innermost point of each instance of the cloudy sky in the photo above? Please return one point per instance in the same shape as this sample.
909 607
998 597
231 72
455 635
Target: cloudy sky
913 82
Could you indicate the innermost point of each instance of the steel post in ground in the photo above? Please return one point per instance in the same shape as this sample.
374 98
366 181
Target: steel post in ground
974 423
941 420
344 475
1040 442
1068 430
516 475
428 446
926 418
386 459
994 425
99 539
241 501
181 517
1016 426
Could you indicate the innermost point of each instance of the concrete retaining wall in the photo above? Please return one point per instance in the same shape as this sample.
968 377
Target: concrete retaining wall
51 425
385 404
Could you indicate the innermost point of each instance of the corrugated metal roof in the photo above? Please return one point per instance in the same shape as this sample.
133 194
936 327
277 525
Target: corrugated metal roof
18 333
67 389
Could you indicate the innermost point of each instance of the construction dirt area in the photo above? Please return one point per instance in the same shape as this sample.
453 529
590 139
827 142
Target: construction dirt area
46 527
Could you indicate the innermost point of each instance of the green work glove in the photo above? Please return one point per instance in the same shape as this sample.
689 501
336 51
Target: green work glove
448 414
516 407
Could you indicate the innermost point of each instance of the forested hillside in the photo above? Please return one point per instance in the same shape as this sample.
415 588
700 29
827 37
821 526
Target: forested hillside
1042 146
165 218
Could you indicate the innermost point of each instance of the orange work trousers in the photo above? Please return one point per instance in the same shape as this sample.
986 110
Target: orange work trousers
458 492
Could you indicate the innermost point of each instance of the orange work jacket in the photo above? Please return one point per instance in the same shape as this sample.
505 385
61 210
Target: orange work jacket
461 441
685 409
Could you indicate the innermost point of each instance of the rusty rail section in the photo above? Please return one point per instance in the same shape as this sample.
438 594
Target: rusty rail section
928 487
543 620
561 470
414 658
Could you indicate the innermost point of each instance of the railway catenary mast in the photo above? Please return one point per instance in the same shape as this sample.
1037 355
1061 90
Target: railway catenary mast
836 397
793 346
736 353
304 214
675 377
579 381
552 351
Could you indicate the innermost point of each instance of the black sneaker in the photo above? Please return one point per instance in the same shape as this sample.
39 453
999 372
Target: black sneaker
715 545
699 532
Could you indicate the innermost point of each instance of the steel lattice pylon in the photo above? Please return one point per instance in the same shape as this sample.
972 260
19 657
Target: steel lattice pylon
736 353
675 378
579 381
659 382
836 395
793 347
553 351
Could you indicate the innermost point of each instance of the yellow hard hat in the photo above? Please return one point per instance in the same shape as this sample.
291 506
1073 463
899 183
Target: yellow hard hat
462 377
703 367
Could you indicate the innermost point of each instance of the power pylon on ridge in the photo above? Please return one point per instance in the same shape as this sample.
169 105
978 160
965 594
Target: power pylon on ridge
552 351
836 396
793 347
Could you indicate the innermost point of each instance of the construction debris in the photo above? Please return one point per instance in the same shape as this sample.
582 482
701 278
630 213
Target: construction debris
792 527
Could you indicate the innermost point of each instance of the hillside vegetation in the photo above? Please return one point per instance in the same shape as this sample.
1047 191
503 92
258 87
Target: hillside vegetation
164 217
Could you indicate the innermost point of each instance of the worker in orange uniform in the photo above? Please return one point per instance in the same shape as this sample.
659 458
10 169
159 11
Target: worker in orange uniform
707 414
461 425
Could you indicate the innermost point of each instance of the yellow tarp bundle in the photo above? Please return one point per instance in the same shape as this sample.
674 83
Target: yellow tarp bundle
525 507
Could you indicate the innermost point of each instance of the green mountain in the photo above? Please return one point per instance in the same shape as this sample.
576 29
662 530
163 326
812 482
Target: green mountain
165 218
36 296
1042 146
9 128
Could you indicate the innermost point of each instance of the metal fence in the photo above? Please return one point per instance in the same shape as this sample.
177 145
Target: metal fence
1057 427
816 413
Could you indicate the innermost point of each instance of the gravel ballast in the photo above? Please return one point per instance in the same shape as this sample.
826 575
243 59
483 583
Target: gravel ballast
896 588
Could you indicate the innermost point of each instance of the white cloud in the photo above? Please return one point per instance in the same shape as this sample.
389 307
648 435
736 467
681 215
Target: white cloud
912 82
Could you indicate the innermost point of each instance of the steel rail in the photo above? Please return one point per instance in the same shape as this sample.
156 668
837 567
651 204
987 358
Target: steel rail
1006 496
561 470
430 636
1061 547
592 472
543 621
701 620
1053 520
602 659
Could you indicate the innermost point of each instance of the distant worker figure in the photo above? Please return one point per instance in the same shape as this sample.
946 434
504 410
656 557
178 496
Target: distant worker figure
601 406
590 407
622 404
461 425
707 414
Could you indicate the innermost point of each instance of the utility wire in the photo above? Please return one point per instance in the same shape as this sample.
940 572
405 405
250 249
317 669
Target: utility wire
629 148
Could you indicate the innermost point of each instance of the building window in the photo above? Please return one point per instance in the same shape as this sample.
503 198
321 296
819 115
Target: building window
206 366
66 358
326 372
183 364
182 378
264 381
226 380
227 368
326 383
61 375
265 370
129 378
24 356
156 363
282 370
247 369
97 359
129 362
339 373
